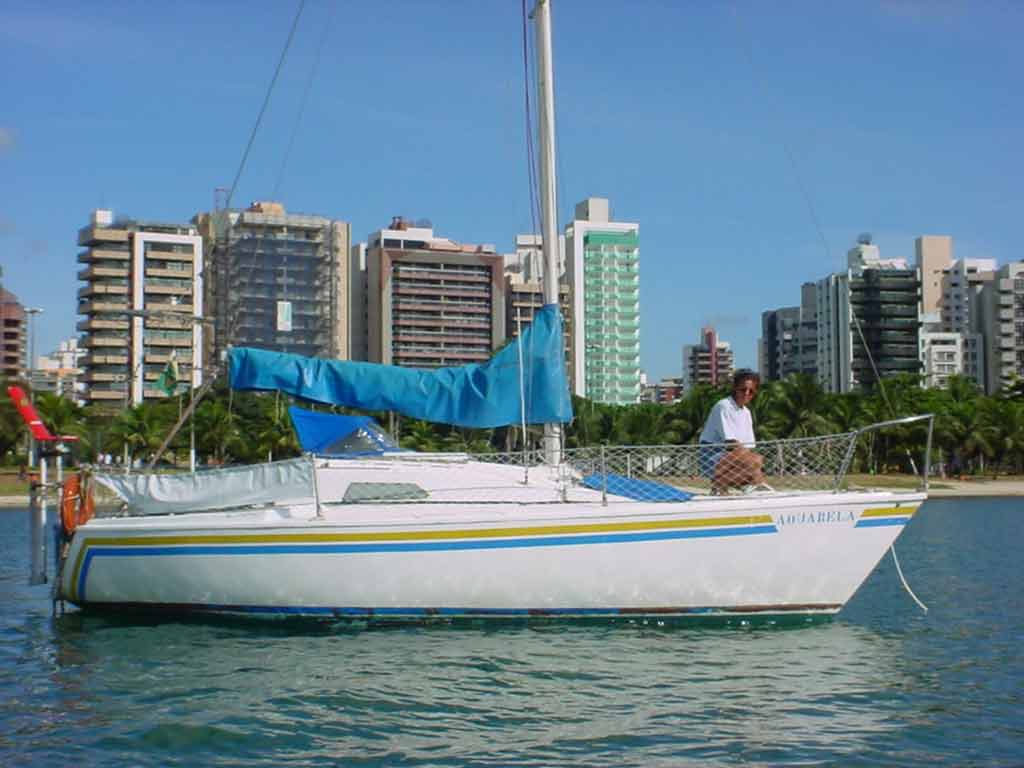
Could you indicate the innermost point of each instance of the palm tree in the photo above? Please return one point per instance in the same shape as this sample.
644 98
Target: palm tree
274 433
1004 420
141 428
645 424
61 414
12 428
961 389
586 424
696 406
963 428
761 408
217 430
418 435
800 408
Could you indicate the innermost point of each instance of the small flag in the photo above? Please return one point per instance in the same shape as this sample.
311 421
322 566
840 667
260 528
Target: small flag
168 380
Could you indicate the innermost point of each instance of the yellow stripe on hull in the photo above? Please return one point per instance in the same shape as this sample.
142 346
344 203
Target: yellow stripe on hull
907 511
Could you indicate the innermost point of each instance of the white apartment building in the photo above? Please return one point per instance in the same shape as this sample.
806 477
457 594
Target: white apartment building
951 291
1002 303
942 355
60 371
143 302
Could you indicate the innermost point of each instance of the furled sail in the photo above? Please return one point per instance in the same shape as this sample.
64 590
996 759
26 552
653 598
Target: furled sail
490 394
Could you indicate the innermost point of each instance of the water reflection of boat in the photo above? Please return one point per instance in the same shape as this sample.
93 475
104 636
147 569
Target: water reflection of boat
591 532
813 694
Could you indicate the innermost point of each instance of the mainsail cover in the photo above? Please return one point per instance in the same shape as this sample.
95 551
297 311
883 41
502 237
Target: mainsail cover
483 395
155 494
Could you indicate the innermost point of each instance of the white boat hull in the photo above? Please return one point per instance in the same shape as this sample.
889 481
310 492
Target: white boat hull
769 555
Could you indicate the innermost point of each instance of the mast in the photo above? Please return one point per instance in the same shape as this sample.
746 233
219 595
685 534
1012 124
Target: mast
549 206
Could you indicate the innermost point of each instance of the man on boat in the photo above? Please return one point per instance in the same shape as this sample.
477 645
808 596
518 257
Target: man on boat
729 436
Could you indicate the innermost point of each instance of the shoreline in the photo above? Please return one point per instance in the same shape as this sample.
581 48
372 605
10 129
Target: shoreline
945 489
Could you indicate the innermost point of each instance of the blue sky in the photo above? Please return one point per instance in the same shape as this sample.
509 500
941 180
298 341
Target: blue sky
717 126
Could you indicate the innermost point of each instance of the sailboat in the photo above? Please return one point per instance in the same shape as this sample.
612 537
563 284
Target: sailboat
378 534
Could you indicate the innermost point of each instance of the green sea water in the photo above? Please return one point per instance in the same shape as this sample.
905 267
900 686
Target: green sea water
883 684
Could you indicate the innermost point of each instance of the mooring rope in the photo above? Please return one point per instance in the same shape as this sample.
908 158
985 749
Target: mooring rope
892 548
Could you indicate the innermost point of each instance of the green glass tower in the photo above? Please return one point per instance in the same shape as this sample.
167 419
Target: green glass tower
603 262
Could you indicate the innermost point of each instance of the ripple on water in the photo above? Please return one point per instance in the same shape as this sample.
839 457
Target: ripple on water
883 685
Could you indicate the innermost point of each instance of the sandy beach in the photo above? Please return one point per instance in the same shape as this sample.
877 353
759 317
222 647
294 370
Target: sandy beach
976 487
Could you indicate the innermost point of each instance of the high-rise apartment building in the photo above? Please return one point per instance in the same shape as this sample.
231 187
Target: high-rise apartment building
278 280
710 361
941 356
59 371
789 338
933 255
779 343
665 392
962 285
13 348
1002 304
869 320
142 302
950 297
602 262
432 302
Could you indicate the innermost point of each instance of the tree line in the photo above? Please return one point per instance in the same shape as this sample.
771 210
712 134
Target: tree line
973 432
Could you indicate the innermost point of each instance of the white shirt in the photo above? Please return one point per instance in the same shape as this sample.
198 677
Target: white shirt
728 421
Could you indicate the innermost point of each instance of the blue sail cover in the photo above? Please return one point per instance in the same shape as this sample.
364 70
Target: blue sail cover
335 435
476 395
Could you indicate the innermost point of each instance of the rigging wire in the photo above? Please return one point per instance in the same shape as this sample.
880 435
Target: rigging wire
745 40
798 177
305 98
295 132
216 370
530 54
534 203
229 332
531 163
266 103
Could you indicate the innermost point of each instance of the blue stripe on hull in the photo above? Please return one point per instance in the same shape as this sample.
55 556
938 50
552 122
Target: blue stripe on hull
346 612
882 521
422 546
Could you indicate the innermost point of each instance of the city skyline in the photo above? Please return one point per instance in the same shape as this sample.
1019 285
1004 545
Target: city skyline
694 122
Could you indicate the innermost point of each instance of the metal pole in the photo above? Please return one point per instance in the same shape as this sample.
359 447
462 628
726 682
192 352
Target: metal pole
37 540
32 312
548 198
928 454
316 488
604 478
192 427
